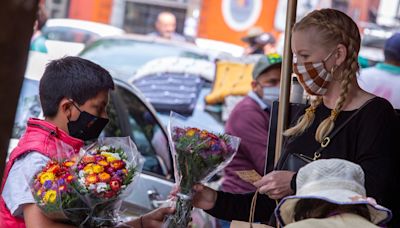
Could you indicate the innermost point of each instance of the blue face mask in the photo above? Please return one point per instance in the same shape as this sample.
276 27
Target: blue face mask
270 94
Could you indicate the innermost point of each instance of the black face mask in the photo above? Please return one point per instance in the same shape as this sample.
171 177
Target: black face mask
87 126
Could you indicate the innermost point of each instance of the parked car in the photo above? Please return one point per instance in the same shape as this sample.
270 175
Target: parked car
179 84
130 115
123 55
69 36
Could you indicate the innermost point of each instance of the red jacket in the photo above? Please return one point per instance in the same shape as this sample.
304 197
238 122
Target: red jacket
42 137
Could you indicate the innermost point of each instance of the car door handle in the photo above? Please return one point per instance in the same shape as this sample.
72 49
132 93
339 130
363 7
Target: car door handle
155 199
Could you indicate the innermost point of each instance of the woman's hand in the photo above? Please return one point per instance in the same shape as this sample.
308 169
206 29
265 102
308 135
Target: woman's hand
276 184
204 197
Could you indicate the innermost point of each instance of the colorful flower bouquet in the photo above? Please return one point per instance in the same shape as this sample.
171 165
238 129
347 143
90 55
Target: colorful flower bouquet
88 188
54 193
198 155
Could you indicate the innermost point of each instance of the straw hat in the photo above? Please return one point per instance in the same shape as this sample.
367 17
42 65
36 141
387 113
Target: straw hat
336 181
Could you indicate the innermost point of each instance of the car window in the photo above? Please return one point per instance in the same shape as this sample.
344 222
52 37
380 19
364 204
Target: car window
147 134
28 106
127 56
69 34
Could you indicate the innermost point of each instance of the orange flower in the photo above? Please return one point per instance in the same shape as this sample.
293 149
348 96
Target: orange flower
104 177
68 163
88 159
117 164
91 179
102 163
54 169
69 178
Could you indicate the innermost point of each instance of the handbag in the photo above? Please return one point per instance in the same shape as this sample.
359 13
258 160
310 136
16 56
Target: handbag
293 161
250 224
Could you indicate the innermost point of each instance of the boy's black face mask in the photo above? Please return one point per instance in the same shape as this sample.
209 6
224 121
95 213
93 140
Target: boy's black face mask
87 126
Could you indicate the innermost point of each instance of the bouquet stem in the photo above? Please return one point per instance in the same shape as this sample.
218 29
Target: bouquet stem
182 216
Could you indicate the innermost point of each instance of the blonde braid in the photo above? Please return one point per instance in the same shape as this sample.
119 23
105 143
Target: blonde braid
349 72
305 120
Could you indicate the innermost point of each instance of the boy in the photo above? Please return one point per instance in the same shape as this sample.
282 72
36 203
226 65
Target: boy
74 96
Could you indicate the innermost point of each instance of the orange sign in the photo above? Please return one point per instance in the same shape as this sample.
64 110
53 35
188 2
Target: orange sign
229 20
91 10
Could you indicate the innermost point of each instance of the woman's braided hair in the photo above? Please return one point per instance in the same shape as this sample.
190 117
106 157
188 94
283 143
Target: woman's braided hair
333 27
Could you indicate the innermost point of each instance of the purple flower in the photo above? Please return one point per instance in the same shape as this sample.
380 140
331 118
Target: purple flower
120 173
61 182
48 184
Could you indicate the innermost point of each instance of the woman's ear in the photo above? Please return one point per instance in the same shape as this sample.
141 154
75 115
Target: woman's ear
340 54
65 108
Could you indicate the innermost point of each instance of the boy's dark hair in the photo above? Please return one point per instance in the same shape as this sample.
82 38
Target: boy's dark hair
71 77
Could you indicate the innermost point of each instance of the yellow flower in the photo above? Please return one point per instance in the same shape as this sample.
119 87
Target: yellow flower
38 193
46 176
190 132
50 196
111 159
88 169
98 168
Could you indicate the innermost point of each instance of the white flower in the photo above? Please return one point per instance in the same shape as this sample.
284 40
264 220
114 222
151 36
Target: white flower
81 173
101 187
92 187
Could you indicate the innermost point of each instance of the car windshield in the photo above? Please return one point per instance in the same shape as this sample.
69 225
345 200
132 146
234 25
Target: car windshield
126 56
69 34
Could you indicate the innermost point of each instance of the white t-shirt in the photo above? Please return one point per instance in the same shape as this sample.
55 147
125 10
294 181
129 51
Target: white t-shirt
382 83
16 190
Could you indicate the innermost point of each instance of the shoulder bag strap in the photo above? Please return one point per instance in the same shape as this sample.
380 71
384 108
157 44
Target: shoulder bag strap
325 142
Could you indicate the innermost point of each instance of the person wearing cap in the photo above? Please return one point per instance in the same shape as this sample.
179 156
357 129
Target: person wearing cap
259 42
383 79
331 193
249 121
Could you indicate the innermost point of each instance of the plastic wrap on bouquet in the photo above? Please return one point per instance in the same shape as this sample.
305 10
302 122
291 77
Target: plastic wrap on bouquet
198 155
104 172
87 189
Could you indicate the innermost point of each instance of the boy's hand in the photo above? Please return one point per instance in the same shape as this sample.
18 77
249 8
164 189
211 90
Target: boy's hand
155 218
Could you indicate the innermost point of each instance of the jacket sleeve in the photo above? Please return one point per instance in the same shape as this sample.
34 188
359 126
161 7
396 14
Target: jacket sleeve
253 131
230 206
378 155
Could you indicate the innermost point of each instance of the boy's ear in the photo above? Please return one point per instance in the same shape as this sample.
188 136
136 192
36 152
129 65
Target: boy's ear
65 107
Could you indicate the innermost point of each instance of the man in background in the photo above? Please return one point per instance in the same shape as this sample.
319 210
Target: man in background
383 79
259 42
166 27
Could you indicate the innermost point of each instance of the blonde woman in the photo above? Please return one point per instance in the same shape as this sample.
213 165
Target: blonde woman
325 45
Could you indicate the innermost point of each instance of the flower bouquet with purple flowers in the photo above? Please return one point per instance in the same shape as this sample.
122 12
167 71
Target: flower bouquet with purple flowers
198 155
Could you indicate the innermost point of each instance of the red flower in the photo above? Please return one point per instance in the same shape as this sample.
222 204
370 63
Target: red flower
115 185
109 194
